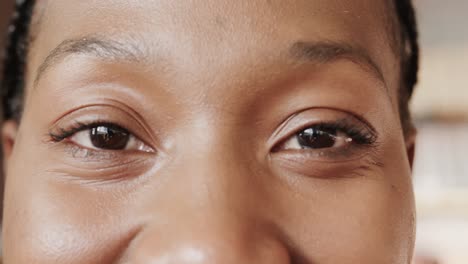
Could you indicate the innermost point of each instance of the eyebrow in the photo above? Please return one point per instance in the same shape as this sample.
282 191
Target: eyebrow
324 52
94 46
300 51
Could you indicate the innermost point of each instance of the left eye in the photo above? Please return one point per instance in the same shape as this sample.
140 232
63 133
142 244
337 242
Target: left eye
105 137
317 138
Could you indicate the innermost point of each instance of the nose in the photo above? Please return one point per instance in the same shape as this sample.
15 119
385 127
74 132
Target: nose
210 210
206 243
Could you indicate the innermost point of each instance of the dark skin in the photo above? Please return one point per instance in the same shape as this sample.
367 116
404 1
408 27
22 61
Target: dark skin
210 131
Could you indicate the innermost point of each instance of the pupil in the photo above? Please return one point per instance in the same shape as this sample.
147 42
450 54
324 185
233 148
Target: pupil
313 138
109 138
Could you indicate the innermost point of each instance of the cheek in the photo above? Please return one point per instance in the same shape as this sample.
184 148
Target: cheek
358 220
49 221
366 219
52 222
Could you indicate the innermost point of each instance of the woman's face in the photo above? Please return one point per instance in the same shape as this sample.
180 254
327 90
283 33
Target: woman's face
211 131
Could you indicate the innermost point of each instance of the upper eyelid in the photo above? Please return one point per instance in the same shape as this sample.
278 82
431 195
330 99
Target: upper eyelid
83 127
317 117
107 112
86 126
345 124
80 126
96 113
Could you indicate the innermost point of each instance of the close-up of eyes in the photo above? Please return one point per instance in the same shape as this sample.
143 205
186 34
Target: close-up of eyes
246 131
338 137
342 137
326 136
101 136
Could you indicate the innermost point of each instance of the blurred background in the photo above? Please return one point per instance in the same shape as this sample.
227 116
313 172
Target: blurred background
440 109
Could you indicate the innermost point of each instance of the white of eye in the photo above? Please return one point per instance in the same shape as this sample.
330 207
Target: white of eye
83 139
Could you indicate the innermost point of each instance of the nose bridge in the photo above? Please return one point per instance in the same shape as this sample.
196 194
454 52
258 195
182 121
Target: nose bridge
217 178
209 212
213 164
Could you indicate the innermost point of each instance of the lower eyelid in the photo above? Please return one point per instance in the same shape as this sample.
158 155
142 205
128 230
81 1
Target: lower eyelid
344 153
95 156
313 165
88 154
91 166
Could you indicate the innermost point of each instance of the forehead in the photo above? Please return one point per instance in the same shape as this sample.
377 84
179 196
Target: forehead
353 19
210 33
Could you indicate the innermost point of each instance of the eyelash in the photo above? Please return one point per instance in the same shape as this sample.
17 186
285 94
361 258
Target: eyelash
360 135
65 133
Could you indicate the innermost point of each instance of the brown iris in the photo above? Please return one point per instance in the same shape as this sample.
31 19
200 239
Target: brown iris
314 138
111 138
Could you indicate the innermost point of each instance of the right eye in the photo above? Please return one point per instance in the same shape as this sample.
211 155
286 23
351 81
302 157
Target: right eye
108 137
318 138
341 136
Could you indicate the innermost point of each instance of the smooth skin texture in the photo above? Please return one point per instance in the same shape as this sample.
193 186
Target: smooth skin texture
214 95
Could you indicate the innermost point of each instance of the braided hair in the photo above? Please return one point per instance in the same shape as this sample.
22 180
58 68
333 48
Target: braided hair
409 58
13 82
12 86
